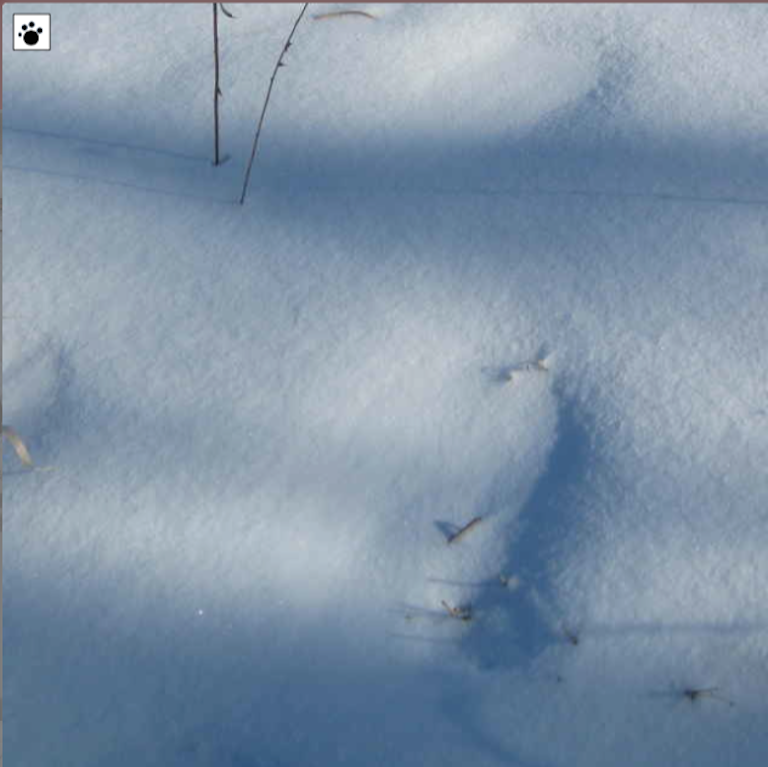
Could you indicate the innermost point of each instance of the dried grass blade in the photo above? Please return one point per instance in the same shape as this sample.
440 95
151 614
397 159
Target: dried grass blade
336 14
18 445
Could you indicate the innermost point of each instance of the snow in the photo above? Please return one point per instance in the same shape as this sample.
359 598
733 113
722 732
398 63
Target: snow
266 421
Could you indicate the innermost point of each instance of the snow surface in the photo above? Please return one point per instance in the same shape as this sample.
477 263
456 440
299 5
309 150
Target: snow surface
265 421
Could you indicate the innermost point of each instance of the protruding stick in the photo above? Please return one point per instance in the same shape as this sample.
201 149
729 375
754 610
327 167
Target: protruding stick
464 530
266 102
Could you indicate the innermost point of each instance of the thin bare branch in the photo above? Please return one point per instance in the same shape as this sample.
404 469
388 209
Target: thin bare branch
464 530
266 101
216 88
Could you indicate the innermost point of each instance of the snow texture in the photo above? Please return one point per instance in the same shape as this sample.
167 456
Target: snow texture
267 421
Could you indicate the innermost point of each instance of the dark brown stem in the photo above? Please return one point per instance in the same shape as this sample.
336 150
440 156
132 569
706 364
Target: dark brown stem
266 102
216 89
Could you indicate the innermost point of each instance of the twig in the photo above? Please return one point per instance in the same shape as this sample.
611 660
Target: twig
459 533
461 613
336 14
216 89
266 101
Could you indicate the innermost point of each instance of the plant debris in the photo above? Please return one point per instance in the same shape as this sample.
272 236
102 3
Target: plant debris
463 613
462 531
336 14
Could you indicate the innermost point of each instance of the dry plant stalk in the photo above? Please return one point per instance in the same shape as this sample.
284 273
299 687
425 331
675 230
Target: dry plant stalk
18 445
460 613
336 14
464 530
216 89
279 64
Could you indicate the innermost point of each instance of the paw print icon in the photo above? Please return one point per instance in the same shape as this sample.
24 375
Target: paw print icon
31 31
